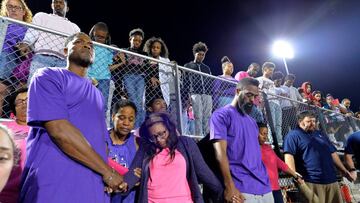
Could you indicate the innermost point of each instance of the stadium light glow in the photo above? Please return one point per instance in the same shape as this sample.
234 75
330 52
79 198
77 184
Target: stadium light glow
284 50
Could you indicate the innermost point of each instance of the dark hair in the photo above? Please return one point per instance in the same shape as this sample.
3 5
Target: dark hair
256 65
277 75
72 37
342 101
300 90
151 101
200 46
12 98
137 31
329 95
300 116
247 82
290 77
121 104
262 125
316 92
103 27
224 61
149 43
172 140
268 65
357 114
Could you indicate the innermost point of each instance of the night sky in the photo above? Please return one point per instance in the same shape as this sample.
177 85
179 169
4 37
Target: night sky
325 34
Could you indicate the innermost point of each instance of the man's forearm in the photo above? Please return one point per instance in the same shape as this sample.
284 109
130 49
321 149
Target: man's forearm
289 160
338 162
71 141
221 157
349 161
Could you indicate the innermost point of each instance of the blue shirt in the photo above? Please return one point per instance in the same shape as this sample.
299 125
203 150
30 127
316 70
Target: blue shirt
352 146
243 150
100 68
312 154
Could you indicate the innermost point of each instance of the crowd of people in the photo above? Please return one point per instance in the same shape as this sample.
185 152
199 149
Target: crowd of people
86 117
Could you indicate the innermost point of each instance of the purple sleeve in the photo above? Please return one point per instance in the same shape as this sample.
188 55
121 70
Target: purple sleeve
218 125
47 99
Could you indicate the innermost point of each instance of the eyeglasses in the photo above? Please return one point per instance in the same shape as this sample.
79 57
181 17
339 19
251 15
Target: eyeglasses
19 102
160 135
14 8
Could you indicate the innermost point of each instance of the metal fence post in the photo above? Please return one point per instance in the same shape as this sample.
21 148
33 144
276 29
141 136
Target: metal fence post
271 124
178 99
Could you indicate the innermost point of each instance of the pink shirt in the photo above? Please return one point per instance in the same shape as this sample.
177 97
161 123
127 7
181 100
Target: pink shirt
12 188
242 74
167 182
272 164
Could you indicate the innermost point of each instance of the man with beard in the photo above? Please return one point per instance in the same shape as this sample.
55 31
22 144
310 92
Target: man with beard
235 137
66 154
48 47
311 153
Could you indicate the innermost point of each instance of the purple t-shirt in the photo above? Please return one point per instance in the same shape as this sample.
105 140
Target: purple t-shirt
50 175
243 150
15 33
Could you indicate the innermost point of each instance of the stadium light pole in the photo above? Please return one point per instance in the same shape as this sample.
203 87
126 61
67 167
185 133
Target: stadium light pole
284 50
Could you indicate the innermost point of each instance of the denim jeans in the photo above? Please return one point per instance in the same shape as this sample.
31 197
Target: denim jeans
8 62
135 87
276 115
202 107
41 61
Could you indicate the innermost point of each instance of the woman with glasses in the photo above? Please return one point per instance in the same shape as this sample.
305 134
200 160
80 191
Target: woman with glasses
172 166
18 106
10 55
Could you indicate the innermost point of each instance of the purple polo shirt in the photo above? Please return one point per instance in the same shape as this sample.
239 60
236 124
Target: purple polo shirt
243 150
50 175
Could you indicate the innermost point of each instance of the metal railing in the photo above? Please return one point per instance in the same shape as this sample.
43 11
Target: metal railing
191 96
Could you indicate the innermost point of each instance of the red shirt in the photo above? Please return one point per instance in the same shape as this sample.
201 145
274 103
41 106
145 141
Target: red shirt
272 164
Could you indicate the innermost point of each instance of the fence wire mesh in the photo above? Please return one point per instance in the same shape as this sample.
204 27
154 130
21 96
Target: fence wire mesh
188 94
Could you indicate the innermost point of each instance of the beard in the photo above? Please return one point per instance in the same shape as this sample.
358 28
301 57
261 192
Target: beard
245 108
80 60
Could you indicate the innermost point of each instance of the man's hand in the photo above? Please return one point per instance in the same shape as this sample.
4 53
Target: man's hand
113 180
233 195
353 174
154 82
348 175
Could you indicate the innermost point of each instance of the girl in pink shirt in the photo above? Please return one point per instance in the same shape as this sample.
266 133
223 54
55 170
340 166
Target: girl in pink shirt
172 166
273 163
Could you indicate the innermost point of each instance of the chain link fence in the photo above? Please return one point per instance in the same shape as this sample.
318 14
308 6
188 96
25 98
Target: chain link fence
189 95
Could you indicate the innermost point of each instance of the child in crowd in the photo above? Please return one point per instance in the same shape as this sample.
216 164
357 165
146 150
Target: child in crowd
273 163
99 71
121 142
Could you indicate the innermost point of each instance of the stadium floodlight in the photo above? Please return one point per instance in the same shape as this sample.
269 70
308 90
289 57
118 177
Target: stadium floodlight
284 50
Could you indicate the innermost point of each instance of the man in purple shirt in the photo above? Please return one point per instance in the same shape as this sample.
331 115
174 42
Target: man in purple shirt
237 150
66 154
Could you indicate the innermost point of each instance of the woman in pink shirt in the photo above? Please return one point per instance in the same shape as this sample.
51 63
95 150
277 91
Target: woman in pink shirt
273 163
18 106
172 166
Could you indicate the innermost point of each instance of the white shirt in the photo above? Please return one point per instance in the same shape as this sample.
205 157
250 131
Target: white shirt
48 43
293 94
265 83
